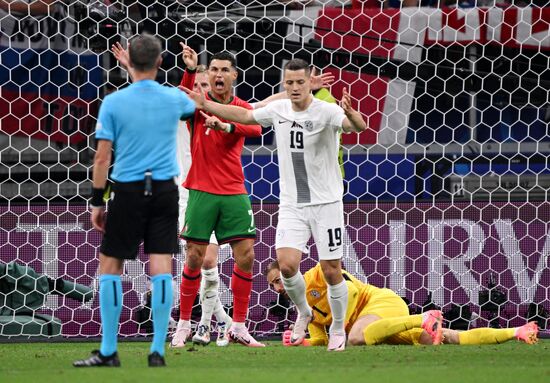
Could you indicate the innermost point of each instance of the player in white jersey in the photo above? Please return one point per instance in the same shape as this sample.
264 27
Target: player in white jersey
307 132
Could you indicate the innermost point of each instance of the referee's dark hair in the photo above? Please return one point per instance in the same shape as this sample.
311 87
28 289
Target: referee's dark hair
298 64
145 52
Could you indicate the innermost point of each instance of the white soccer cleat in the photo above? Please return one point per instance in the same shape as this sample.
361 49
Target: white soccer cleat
336 342
299 329
202 336
180 336
241 335
223 336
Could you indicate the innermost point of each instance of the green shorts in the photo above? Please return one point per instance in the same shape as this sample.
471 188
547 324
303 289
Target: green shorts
229 216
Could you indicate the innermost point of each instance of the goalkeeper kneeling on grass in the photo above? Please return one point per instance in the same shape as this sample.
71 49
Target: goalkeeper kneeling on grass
379 316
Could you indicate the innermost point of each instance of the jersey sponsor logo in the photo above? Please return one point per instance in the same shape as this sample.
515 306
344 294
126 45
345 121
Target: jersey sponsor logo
315 293
296 125
283 121
333 249
98 126
308 125
252 230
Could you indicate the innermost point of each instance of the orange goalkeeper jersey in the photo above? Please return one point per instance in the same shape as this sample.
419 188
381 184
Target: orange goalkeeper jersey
359 294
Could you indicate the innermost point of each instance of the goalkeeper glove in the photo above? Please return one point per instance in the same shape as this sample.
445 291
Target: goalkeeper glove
286 340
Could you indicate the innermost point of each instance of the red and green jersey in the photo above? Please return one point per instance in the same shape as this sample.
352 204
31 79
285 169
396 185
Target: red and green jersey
216 156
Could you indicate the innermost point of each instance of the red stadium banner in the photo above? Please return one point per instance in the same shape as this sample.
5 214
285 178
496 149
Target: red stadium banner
403 35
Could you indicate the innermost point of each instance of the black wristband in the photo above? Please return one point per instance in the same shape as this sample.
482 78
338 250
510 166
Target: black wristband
97 198
231 128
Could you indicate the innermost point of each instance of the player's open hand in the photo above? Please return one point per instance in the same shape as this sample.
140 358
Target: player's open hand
324 80
121 54
189 56
195 96
345 102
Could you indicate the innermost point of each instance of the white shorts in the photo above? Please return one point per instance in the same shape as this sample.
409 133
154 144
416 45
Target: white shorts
325 222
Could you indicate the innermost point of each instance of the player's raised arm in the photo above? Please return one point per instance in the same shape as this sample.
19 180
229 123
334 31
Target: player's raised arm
354 121
123 58
227 112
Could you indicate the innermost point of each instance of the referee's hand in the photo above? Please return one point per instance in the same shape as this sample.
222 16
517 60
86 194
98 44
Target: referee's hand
98 218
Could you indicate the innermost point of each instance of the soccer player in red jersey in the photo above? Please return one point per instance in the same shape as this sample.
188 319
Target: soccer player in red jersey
218 200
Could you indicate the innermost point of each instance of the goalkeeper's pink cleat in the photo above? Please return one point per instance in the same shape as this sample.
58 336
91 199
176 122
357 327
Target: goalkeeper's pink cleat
242 336
336 342
528 333
432 323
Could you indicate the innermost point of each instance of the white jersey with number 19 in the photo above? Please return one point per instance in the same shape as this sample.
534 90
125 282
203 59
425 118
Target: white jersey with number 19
307 146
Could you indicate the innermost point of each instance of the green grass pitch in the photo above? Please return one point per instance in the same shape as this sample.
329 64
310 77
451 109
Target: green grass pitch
509 362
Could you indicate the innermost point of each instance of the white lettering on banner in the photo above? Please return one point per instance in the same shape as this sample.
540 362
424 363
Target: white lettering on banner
50 246
457 265
397 250
411 34
495 17
526 286
435 29
528 30
461 25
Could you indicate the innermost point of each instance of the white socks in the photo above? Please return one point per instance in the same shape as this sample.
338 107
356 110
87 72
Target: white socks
338 301
210 297
295 287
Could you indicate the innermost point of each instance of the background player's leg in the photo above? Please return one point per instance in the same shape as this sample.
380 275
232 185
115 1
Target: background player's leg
295 287
500 335
190 283
209 295
337 292
241 285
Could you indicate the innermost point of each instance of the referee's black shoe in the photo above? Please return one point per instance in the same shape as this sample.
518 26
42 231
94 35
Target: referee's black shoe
156 360
98 360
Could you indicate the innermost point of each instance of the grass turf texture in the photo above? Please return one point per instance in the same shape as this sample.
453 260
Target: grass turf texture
509 362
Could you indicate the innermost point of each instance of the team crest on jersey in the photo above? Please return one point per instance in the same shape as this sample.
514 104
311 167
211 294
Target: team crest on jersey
315 293
308 125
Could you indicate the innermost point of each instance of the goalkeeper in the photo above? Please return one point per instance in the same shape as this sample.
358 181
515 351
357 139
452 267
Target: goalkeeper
379 316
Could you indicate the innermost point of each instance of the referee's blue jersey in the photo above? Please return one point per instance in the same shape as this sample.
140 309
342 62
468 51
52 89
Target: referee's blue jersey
142 120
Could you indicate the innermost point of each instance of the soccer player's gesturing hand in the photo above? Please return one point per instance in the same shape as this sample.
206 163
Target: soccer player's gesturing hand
197 97
345 103
121 54
212 122
321 81
189 56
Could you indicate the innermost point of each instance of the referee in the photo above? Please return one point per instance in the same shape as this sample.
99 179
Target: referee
139 123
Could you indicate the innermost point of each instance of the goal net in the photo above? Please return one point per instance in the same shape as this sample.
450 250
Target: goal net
446 198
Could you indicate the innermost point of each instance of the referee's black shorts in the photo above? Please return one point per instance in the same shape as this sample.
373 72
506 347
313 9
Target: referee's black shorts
133 217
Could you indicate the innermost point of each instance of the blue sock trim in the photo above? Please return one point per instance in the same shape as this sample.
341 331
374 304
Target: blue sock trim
110 307
161 306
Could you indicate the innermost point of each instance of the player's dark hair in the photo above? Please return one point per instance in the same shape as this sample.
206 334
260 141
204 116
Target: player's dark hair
144 52
272 266
298 64
224 56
